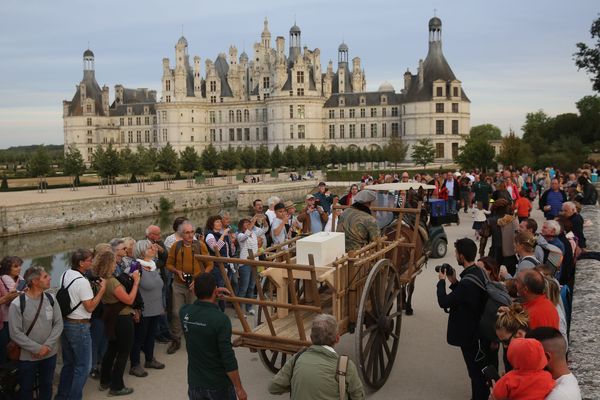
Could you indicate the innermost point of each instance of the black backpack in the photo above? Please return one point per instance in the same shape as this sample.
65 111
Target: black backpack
64 299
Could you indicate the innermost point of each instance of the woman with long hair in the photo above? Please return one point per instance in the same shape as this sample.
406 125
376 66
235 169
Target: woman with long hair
10 275
118 317
512 322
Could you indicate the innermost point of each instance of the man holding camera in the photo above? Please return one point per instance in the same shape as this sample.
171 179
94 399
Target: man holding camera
466 302
184 266
313 217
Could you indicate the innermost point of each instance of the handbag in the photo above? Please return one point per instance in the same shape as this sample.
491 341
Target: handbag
13 350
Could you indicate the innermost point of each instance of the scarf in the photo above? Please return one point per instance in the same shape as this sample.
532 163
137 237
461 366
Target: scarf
147 264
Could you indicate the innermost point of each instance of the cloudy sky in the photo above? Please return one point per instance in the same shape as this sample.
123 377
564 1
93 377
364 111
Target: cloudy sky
513 57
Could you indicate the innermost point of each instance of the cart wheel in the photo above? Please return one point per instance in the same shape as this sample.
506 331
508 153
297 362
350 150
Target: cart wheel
379 323
273 360
439 248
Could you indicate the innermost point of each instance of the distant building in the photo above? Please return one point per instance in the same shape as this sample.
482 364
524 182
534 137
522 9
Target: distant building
274 99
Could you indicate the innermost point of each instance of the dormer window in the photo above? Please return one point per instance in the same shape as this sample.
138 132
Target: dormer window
455 92
341 102
146 109
439 91
129 110
383 99
362 100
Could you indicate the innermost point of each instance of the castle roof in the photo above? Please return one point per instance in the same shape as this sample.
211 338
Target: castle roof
92 91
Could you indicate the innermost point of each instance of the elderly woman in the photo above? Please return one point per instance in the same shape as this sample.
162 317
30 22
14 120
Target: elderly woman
129 243
119 249
118 317
10 275
151 286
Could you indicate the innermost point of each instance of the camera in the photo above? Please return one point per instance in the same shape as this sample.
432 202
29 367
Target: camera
94 279
445 268
188 278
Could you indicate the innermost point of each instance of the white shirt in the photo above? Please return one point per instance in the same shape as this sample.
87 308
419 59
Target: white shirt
566 388
80 291
282 234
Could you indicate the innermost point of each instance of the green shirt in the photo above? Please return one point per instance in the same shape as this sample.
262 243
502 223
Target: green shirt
207 333
482 191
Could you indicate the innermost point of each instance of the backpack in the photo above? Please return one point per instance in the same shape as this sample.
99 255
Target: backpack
64 299
553 256
497 296
23 299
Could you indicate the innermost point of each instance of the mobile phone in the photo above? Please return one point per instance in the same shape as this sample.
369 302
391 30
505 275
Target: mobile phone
21 285
491 373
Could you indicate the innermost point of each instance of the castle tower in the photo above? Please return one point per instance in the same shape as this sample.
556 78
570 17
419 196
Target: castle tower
295 42
88 63
265 37
181 68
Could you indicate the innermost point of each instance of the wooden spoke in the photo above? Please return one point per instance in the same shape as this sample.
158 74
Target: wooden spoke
379 324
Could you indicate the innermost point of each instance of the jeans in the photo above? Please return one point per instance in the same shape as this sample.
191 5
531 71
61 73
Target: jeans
465 198
451 205
28 370
145 331
113 363
99 342
198 393
182 295
479 388
4 339
76 343
216 271
247 284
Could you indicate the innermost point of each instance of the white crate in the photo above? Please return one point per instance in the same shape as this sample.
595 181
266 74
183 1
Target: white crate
324 246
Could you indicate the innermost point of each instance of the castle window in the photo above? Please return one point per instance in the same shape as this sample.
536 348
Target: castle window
342 113
129 110
342 131
266 82
264 115
300 77
439 127
130 137
265 133
89 122
300 131
211 117
247 134
213 99
301 111
439 107
332 131
373 112
191 138
123 137
213 86
384 112
138 136
147 136
88 108
455 91
341 102
220 117
167 85
129 121
257 134
291 111
291 93
383 99
168 99
89 133
352 113
231 134
145 109
384 130
90 140
213 135
403 128
455 127
238 116
352 129
239 134
154 136
363 131
147 120
230 115
454 107
362 113
331 114
220 135
165 134
362 100
394 129
373 130
138 120
121 121
439 150
454 150
291 131
439 91
300 92
246 115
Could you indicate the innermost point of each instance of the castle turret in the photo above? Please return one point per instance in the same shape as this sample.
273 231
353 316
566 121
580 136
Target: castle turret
265 37
295 42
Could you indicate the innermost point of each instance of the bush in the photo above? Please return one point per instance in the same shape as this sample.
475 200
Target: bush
4 184
164 205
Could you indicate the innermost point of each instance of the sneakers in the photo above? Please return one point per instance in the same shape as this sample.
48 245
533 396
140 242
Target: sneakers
138 371
123 392
175 345
154 364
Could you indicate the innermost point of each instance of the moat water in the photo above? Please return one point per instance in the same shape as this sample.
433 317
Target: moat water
51 249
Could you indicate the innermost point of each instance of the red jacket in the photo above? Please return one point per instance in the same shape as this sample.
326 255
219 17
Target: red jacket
541 312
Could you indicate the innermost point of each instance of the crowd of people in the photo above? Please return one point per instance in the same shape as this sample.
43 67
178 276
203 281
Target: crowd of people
121 297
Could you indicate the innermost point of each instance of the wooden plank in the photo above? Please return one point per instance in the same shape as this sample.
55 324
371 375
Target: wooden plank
256 263
236 305
294 298
313 282
261 296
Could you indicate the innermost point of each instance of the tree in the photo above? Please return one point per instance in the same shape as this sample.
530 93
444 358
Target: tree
73 164
395 151
189 160
247 158
276 158
485 132
324 156
145 160
423 152
290 157
4 184
262 158
588 58
210 159
128 165
515 152
39 163
106 162
476 153
333 156
314 158
168 161
229 159
302 156
589 114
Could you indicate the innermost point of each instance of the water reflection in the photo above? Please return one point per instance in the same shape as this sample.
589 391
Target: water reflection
51 249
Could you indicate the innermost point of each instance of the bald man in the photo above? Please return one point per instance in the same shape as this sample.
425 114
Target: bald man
555 348
530 287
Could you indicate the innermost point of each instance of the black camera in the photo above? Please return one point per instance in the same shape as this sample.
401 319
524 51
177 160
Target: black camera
188 278
445 268
94 279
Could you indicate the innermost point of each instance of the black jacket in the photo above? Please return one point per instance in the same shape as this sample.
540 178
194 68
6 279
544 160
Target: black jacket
590 195
466 302
456 191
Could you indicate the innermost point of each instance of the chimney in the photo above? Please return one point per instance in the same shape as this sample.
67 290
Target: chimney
421 73
407 80
105 99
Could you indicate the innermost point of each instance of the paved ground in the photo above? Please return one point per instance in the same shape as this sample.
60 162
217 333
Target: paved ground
425 368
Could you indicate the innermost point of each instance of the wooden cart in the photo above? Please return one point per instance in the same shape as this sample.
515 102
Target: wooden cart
362 290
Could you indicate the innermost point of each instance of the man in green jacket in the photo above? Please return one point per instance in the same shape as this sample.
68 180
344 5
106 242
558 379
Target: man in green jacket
212 367
311 374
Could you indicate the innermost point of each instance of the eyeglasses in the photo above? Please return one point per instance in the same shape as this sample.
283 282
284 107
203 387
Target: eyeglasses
506 342
188 232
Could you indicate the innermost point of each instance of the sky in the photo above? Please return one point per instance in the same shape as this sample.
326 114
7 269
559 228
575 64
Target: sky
512 57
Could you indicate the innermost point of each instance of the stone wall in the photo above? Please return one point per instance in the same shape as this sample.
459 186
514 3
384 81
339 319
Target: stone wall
71 213
585 323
